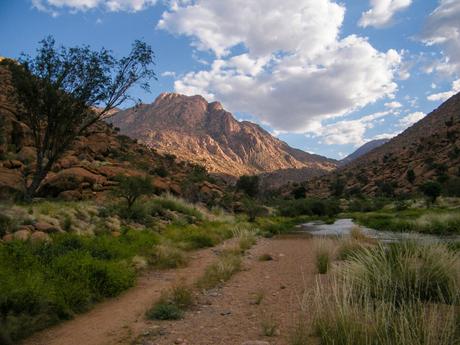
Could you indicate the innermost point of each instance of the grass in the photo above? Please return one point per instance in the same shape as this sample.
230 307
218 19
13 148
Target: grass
324 254
246 236
257 297
433 221
220 271
44 283
269 325
172 304
167 256
401 294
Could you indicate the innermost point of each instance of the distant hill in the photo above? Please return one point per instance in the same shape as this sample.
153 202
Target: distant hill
367 147
193 129
430 148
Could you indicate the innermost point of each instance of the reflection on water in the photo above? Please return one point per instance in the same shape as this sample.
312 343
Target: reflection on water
342 227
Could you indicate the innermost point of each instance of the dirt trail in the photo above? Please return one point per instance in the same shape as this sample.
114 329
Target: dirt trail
227 316
113 321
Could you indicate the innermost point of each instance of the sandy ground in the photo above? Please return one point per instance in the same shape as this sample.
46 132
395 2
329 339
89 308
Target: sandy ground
227 316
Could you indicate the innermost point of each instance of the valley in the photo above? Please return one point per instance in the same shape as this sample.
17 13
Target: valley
172 222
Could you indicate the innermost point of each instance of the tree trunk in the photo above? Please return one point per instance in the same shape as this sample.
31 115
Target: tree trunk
39 176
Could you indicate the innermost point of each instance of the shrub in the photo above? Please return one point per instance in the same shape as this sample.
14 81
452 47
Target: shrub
164 311
131 188
309 207
249 185
220 271
432 190
167 256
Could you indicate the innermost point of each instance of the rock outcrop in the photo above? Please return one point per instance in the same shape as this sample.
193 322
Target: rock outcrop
193 129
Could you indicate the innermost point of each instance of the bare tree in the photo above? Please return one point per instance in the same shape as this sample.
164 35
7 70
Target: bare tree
58 90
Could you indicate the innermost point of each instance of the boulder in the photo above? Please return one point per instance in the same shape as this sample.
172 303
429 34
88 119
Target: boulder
160 184
48 228
11 181
8 237
69 179
22 235
27 154
40 236
70 195
13 164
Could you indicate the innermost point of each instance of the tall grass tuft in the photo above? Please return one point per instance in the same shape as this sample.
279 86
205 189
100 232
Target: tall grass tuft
220 271
324 254
387 295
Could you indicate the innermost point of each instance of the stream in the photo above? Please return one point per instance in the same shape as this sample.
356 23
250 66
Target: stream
342 227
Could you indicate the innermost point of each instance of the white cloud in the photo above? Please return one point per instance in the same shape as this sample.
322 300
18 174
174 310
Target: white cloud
296 70
168 74
443 28
381 12
385 135
54 6
349 131
411 118
443 96
393 105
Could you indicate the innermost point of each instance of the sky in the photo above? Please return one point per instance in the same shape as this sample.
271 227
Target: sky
325 76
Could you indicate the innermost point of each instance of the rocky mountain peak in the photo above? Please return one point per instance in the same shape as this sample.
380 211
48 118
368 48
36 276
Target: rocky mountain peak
193 129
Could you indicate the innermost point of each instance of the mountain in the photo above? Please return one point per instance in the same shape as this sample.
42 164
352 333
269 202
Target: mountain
90 168
428 150
193 129
367 147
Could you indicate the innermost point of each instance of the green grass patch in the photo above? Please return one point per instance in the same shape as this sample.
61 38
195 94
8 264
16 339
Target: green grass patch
220 271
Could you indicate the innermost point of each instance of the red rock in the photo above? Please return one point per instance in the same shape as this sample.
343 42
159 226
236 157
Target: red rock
39 236
22 235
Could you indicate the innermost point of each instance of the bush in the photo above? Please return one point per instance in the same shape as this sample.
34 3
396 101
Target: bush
220 271
309 207
46 282
164 311
132 187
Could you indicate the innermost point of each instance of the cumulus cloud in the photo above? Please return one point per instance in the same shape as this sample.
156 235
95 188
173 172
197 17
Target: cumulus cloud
381 12
296 70
443 28
443 96
55 6
349 131
411 118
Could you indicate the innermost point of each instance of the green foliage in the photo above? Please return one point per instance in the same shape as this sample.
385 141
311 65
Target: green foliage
58 88
132 187
165 311
220 271
249 185
299 192
432 190
410 176
45 282
337 187
309 207
432 221
387 296
172 303
167 256
452 187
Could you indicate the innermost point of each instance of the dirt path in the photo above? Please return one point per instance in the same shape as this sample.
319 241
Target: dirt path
227 316
113 321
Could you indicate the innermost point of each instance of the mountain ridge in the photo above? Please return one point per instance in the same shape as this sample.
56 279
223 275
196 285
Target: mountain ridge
193 129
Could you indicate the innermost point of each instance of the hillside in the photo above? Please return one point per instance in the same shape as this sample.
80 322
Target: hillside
362 150
430 148
193 129
90 168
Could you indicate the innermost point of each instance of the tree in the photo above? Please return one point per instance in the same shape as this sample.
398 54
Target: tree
58 90
131 188
410 176
337 187
432 190
299 192
249 185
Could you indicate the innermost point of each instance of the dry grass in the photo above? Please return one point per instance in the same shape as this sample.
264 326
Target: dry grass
220 271
167 256
325 249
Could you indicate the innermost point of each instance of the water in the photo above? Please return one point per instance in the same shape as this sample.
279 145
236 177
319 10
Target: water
342 227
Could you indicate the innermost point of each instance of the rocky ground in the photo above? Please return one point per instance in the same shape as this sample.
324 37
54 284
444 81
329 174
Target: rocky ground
264 295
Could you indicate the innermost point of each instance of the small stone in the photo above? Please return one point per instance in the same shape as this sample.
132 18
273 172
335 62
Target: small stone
256 342
225 312
282 287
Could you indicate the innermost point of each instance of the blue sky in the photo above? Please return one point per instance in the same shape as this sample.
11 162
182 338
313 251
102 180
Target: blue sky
323 75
